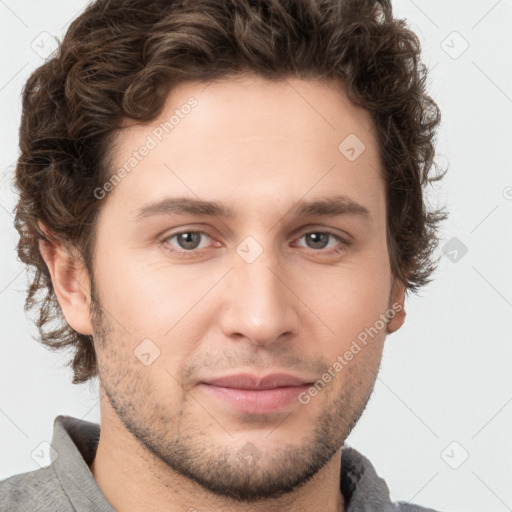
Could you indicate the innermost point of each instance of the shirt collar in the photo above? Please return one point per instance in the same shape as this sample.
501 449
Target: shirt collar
75 442
363 490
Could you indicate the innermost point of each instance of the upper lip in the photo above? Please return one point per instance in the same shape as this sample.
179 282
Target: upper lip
251 381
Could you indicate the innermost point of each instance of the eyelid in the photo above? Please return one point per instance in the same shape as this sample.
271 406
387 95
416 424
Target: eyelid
168 236
342 235
343 243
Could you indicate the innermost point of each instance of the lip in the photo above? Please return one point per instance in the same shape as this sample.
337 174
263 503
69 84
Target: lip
253 382
256 395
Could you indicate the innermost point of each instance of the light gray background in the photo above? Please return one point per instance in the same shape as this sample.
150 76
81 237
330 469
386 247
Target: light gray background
444 391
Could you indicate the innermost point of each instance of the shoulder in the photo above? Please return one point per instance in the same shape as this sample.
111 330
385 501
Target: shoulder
402 506
38 490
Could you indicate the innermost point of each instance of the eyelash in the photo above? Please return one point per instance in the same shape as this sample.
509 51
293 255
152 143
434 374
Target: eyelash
189 253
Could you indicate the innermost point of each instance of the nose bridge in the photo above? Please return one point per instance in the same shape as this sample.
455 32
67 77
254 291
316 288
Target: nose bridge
259 307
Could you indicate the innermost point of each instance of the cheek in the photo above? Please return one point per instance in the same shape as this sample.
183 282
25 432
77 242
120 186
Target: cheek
350 302
151 299
348 296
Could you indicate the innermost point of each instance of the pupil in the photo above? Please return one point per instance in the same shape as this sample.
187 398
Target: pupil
189 240
316 238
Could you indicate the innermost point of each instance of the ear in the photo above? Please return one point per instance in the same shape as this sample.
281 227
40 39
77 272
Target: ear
70 281
397 304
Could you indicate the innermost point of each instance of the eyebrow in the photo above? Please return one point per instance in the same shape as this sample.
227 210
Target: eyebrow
331 207
328 207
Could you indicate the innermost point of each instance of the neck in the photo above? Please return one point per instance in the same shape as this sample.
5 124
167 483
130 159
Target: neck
156 486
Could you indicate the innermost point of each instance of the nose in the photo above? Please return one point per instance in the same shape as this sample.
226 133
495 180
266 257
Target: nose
258 304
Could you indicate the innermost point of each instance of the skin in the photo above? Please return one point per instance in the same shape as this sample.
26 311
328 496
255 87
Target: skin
259 147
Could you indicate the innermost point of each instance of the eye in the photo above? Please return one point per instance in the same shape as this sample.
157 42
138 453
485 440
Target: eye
187 240
193 241
321 240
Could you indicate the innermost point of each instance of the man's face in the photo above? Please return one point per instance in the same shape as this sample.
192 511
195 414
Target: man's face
270 289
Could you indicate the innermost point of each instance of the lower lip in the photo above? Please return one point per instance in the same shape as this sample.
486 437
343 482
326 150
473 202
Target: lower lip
256 401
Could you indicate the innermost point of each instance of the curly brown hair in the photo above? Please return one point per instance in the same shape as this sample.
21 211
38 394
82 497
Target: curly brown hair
119 60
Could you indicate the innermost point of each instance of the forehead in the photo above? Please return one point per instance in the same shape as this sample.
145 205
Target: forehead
249 138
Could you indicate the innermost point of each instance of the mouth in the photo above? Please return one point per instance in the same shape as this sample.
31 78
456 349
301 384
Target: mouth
256 395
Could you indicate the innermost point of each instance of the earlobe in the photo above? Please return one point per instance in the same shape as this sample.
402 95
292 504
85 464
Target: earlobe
70 282
397 304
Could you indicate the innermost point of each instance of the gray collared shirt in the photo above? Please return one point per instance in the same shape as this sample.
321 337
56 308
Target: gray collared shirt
67 484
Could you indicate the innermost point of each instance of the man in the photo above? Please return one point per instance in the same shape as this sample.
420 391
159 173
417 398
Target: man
223 203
